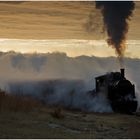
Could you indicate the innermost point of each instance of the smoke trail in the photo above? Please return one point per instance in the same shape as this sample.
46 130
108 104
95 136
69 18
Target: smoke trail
115 16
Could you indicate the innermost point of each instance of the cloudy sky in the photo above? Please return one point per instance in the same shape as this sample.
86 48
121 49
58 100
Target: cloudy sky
71 27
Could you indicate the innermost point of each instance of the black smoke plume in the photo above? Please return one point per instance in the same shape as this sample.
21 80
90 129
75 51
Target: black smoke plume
115 16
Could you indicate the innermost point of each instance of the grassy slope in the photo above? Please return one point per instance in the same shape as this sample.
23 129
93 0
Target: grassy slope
24 117
42 124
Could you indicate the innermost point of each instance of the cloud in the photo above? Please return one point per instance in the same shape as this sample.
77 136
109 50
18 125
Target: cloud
55 20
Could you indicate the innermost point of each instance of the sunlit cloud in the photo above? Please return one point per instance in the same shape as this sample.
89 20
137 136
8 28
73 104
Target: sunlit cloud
72 47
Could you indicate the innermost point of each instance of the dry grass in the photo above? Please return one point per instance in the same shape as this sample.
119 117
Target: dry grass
58 122
74 125
17 103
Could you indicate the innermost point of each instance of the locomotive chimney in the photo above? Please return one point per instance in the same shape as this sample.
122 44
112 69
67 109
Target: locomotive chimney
122 73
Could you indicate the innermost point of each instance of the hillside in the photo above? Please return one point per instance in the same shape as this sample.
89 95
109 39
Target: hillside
46 123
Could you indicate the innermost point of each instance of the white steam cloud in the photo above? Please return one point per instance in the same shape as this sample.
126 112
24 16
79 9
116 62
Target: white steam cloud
59 79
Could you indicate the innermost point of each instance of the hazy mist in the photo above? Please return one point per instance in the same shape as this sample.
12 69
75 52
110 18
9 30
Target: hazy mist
57 78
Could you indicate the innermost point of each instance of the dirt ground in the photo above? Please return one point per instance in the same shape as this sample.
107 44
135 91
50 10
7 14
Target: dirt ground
52 123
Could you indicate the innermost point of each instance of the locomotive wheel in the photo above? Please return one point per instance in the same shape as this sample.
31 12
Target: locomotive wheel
124 106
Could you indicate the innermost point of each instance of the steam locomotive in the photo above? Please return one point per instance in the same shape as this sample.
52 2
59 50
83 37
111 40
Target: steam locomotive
119 91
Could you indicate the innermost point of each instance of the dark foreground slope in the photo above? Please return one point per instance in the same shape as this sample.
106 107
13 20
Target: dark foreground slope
51 122
26 117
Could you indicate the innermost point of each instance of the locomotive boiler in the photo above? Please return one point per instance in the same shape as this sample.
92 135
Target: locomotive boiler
119 91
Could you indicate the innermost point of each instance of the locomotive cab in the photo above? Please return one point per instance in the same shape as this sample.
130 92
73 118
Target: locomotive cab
120 91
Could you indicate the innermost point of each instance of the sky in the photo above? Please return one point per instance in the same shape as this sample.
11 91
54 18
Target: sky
71 47
71 27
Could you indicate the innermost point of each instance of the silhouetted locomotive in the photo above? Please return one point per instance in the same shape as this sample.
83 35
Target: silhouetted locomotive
119 90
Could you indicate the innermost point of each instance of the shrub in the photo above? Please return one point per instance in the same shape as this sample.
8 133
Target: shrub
58 113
